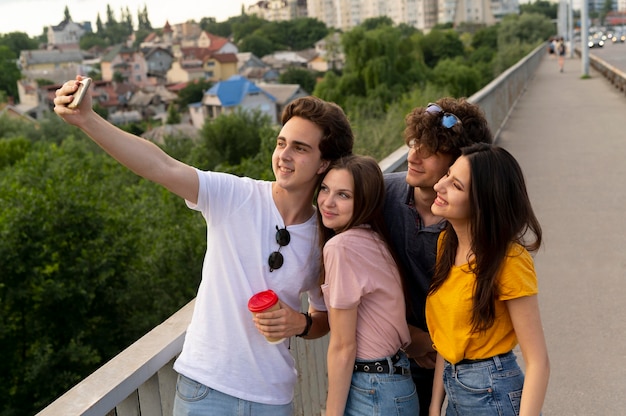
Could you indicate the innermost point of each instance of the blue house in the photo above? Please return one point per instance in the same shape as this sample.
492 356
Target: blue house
228 96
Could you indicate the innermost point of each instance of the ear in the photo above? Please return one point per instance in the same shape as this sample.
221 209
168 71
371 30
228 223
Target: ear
323 166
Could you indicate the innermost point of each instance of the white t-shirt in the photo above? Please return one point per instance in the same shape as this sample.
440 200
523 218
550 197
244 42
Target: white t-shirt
223 349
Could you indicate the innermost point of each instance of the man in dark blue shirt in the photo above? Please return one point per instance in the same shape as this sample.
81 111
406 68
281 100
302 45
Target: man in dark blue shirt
435 135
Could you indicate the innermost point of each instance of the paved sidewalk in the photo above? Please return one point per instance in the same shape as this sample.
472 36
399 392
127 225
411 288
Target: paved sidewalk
569 135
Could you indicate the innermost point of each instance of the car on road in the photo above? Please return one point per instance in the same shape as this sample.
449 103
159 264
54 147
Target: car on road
618 37
595 42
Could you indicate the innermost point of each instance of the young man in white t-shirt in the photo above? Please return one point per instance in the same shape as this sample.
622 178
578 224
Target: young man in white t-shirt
226 362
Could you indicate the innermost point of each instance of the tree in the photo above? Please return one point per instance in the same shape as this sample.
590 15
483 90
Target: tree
173 116
258 45
547 8
13 150
303 77
457 78
9 72
193 92
91 275
66 15
18 42
440 44
230 138
380 64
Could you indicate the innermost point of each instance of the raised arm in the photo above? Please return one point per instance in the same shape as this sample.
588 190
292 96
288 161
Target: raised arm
139 155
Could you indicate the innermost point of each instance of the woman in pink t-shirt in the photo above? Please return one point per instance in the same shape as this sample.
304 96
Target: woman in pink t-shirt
368 371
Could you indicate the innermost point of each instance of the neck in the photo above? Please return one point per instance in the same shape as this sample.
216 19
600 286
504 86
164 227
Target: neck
294 207
424 198
464 250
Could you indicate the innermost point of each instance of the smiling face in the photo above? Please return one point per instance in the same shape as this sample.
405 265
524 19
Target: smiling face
335 199
453 193
425 168
297 160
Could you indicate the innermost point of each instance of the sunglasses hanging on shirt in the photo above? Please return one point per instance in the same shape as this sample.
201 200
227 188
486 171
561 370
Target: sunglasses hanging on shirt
275 260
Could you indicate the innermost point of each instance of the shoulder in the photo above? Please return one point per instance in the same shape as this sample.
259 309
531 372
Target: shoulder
395 180
518 275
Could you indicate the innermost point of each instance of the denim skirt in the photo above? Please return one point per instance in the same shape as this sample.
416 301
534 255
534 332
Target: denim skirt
383 394
484 387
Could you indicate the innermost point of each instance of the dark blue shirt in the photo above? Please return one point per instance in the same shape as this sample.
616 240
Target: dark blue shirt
414 244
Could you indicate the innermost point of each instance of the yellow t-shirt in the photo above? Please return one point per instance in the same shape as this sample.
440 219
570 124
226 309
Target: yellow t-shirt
448 310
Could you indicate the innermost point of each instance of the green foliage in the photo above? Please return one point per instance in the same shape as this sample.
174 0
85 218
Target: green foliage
193 92
210 25
13 150
529 28
18 42
304 77
458 79
230 138
173 115
11 127
89 40
440 44
91 258
544 7
9 72
260 165
381 64
261 37
518 35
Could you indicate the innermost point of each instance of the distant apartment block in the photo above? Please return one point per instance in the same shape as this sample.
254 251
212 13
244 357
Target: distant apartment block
421 14
279 10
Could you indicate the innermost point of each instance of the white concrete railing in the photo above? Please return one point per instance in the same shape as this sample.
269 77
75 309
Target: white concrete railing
140 380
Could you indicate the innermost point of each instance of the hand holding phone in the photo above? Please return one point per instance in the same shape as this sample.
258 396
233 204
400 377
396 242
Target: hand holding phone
83 86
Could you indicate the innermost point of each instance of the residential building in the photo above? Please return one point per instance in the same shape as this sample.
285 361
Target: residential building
159 61
185 71
278 10
220 66
329 54
127 63
67 34
228 96
283 93
421 14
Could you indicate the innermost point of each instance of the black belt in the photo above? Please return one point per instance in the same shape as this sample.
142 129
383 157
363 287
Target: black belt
382 366
468 361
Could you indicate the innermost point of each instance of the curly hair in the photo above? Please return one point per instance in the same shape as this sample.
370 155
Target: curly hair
427 130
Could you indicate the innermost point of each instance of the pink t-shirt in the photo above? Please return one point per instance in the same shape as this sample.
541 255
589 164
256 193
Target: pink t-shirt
360 272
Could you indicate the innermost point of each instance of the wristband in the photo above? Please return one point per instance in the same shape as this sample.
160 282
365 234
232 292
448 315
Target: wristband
309 323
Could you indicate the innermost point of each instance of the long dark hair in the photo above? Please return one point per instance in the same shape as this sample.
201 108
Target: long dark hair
500 215
369 198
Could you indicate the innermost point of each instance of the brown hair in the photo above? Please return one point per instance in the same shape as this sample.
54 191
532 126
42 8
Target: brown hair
427 130
369 198
338 138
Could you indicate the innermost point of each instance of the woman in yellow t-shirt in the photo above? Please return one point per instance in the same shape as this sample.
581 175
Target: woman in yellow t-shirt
483 295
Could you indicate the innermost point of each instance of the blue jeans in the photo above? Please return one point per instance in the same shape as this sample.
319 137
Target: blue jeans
196 399
383 394
487 387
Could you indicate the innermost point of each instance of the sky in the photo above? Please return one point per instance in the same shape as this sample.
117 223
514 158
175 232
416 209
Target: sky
31 16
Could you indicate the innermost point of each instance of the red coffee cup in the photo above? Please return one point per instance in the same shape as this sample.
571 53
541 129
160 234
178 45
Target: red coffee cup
265 301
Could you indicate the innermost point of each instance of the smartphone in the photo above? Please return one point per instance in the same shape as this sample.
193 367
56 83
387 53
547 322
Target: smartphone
83 86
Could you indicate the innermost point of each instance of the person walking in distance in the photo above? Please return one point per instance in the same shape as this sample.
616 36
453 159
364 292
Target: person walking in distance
260 235
435 135
560 50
